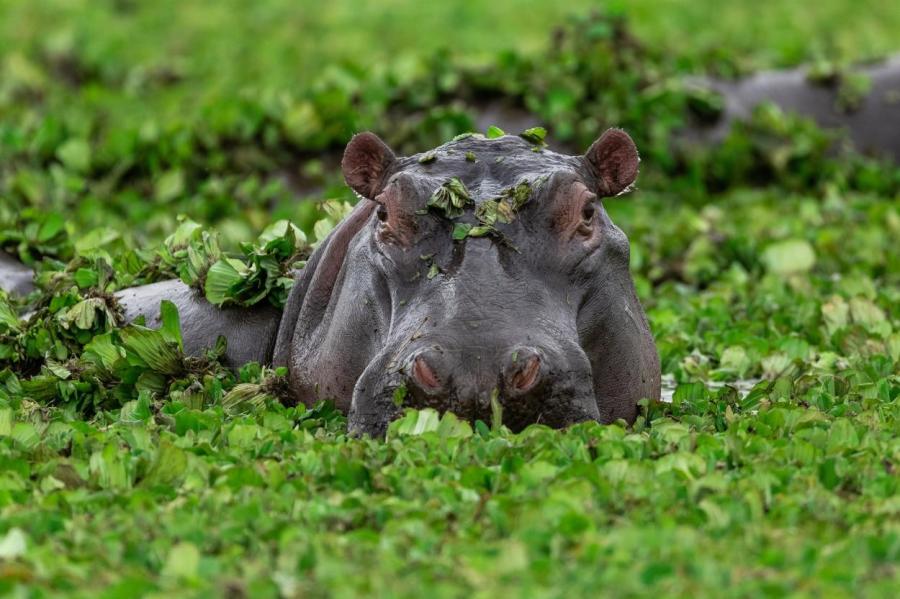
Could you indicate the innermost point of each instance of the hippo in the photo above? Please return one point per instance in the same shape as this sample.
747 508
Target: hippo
869 126
537 310
483 272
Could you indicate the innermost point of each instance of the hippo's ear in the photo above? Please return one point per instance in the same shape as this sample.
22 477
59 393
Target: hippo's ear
613 160
366 161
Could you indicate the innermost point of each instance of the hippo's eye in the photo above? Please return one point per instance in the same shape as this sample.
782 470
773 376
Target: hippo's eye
586 226
587 213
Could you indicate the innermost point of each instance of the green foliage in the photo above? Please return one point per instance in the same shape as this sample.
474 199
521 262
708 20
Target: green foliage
451 198
768 267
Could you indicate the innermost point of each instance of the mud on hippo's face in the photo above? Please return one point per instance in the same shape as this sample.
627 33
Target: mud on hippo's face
488 268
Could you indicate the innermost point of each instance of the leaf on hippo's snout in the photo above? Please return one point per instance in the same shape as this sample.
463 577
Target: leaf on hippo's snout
451 198
487 211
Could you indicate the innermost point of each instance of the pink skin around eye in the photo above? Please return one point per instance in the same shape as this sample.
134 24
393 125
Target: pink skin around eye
570 212
398 226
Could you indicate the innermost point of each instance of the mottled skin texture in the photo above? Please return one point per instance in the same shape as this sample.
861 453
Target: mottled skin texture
547 319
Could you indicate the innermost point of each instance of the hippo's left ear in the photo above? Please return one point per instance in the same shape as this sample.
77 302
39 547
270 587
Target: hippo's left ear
613 160
366 161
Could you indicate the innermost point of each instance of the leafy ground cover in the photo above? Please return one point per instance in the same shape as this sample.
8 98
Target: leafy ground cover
127 468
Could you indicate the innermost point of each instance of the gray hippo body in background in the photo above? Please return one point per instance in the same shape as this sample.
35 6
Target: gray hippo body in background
250 332
872 126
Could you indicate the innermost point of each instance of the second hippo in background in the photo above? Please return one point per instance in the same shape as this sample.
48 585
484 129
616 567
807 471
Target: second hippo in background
870 120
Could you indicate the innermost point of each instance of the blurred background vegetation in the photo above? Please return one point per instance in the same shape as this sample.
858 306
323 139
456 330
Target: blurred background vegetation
769 258
228 111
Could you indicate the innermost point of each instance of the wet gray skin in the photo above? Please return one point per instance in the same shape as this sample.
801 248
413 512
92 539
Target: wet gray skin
542 315
391 311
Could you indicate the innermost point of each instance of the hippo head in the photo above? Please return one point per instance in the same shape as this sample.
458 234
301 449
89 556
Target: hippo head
484 269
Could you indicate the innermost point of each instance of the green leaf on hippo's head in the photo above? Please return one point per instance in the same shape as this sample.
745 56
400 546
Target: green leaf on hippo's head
534 135
493 132
481 231
451 198
461 230
87 314
464 135
428 157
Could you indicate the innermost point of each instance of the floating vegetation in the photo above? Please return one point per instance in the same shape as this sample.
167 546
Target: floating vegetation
450 199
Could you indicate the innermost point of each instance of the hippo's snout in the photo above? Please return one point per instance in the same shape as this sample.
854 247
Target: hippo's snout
522 372
532 384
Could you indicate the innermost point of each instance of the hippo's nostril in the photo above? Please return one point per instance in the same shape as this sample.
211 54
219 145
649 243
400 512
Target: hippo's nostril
523 370
423 374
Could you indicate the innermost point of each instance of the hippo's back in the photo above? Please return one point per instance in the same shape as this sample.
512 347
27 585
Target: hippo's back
250 332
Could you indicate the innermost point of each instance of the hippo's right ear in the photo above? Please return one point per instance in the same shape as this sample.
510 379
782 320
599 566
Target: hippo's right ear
613 161
367 160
